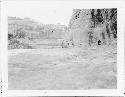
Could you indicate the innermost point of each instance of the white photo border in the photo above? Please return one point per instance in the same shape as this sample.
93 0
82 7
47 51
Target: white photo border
78 4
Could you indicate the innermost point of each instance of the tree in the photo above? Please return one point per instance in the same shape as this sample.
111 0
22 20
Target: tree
107 18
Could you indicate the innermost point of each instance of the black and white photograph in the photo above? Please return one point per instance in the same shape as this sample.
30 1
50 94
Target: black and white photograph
79 54
62 46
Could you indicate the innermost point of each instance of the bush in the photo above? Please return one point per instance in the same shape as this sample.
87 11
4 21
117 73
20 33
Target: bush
15 44
10 36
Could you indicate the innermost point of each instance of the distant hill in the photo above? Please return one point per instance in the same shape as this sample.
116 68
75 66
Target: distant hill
22 31
35 30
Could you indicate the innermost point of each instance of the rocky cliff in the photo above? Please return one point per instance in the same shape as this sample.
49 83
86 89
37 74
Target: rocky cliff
93 26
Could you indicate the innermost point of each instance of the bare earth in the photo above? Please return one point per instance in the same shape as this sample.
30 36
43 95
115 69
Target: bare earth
63 68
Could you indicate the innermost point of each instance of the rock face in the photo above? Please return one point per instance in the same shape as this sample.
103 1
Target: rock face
79 26
92 26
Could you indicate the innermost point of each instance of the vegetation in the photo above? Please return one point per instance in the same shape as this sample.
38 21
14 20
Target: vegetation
93 26
27 29
86 26
107 17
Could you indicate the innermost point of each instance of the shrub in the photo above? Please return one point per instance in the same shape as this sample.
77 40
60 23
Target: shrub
15 44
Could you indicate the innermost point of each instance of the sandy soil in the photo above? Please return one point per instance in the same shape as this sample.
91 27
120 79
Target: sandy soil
63 68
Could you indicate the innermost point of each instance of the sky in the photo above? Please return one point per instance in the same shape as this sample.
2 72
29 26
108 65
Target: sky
43 12
51 11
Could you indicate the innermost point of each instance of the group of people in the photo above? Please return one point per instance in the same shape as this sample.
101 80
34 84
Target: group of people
66 44
70 43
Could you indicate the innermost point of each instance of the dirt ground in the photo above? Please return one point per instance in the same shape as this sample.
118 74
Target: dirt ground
63 68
